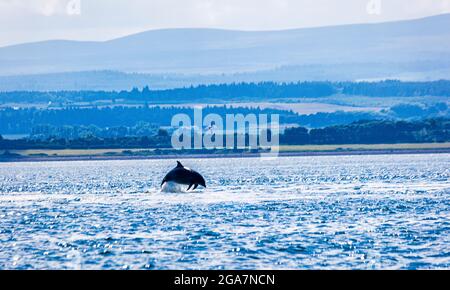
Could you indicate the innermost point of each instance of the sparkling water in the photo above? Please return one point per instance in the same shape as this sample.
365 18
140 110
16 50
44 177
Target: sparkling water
341 212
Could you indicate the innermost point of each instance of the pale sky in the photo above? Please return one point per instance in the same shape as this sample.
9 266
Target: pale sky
36 20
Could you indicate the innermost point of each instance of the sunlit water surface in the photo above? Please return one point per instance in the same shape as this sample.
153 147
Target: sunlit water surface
350 212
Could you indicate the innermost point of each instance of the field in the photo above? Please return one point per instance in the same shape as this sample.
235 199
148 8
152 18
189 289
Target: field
282 149
405 146
74 152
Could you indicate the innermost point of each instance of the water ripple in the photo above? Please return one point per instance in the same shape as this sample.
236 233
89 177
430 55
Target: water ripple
364 212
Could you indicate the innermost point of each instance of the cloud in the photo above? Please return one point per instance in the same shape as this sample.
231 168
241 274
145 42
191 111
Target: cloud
40 7
46 7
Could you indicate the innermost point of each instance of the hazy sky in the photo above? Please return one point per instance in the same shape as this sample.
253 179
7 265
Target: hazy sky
34 20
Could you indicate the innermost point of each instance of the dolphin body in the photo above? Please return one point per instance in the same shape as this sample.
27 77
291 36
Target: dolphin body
184 175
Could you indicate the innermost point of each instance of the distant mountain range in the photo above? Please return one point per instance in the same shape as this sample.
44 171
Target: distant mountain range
413 49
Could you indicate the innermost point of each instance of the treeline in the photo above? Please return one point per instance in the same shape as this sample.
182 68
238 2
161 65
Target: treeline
22 121
90 142
141 129
372 132
363 132
237 91
394 88
122 121
406 111
139 121
218 92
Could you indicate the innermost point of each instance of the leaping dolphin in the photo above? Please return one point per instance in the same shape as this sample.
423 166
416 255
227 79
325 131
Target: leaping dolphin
184 175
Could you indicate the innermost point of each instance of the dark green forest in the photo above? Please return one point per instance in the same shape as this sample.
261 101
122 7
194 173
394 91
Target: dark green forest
394 88
238 91
122 119
372 132
68 125
23 121
363 132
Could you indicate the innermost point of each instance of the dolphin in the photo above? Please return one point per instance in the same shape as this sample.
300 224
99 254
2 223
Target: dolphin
184 175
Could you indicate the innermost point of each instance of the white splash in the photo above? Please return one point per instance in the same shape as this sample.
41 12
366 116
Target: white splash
172 187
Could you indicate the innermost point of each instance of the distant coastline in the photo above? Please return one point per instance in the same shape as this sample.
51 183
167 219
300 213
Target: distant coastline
227 155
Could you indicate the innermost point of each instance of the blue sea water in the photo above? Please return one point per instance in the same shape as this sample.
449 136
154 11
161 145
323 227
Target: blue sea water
341 212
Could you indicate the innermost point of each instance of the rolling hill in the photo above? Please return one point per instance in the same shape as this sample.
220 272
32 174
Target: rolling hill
414 48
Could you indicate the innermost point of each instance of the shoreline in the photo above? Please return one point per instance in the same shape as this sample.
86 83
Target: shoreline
14 159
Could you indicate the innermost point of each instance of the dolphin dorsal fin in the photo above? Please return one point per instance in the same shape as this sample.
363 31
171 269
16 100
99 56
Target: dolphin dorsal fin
179 164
